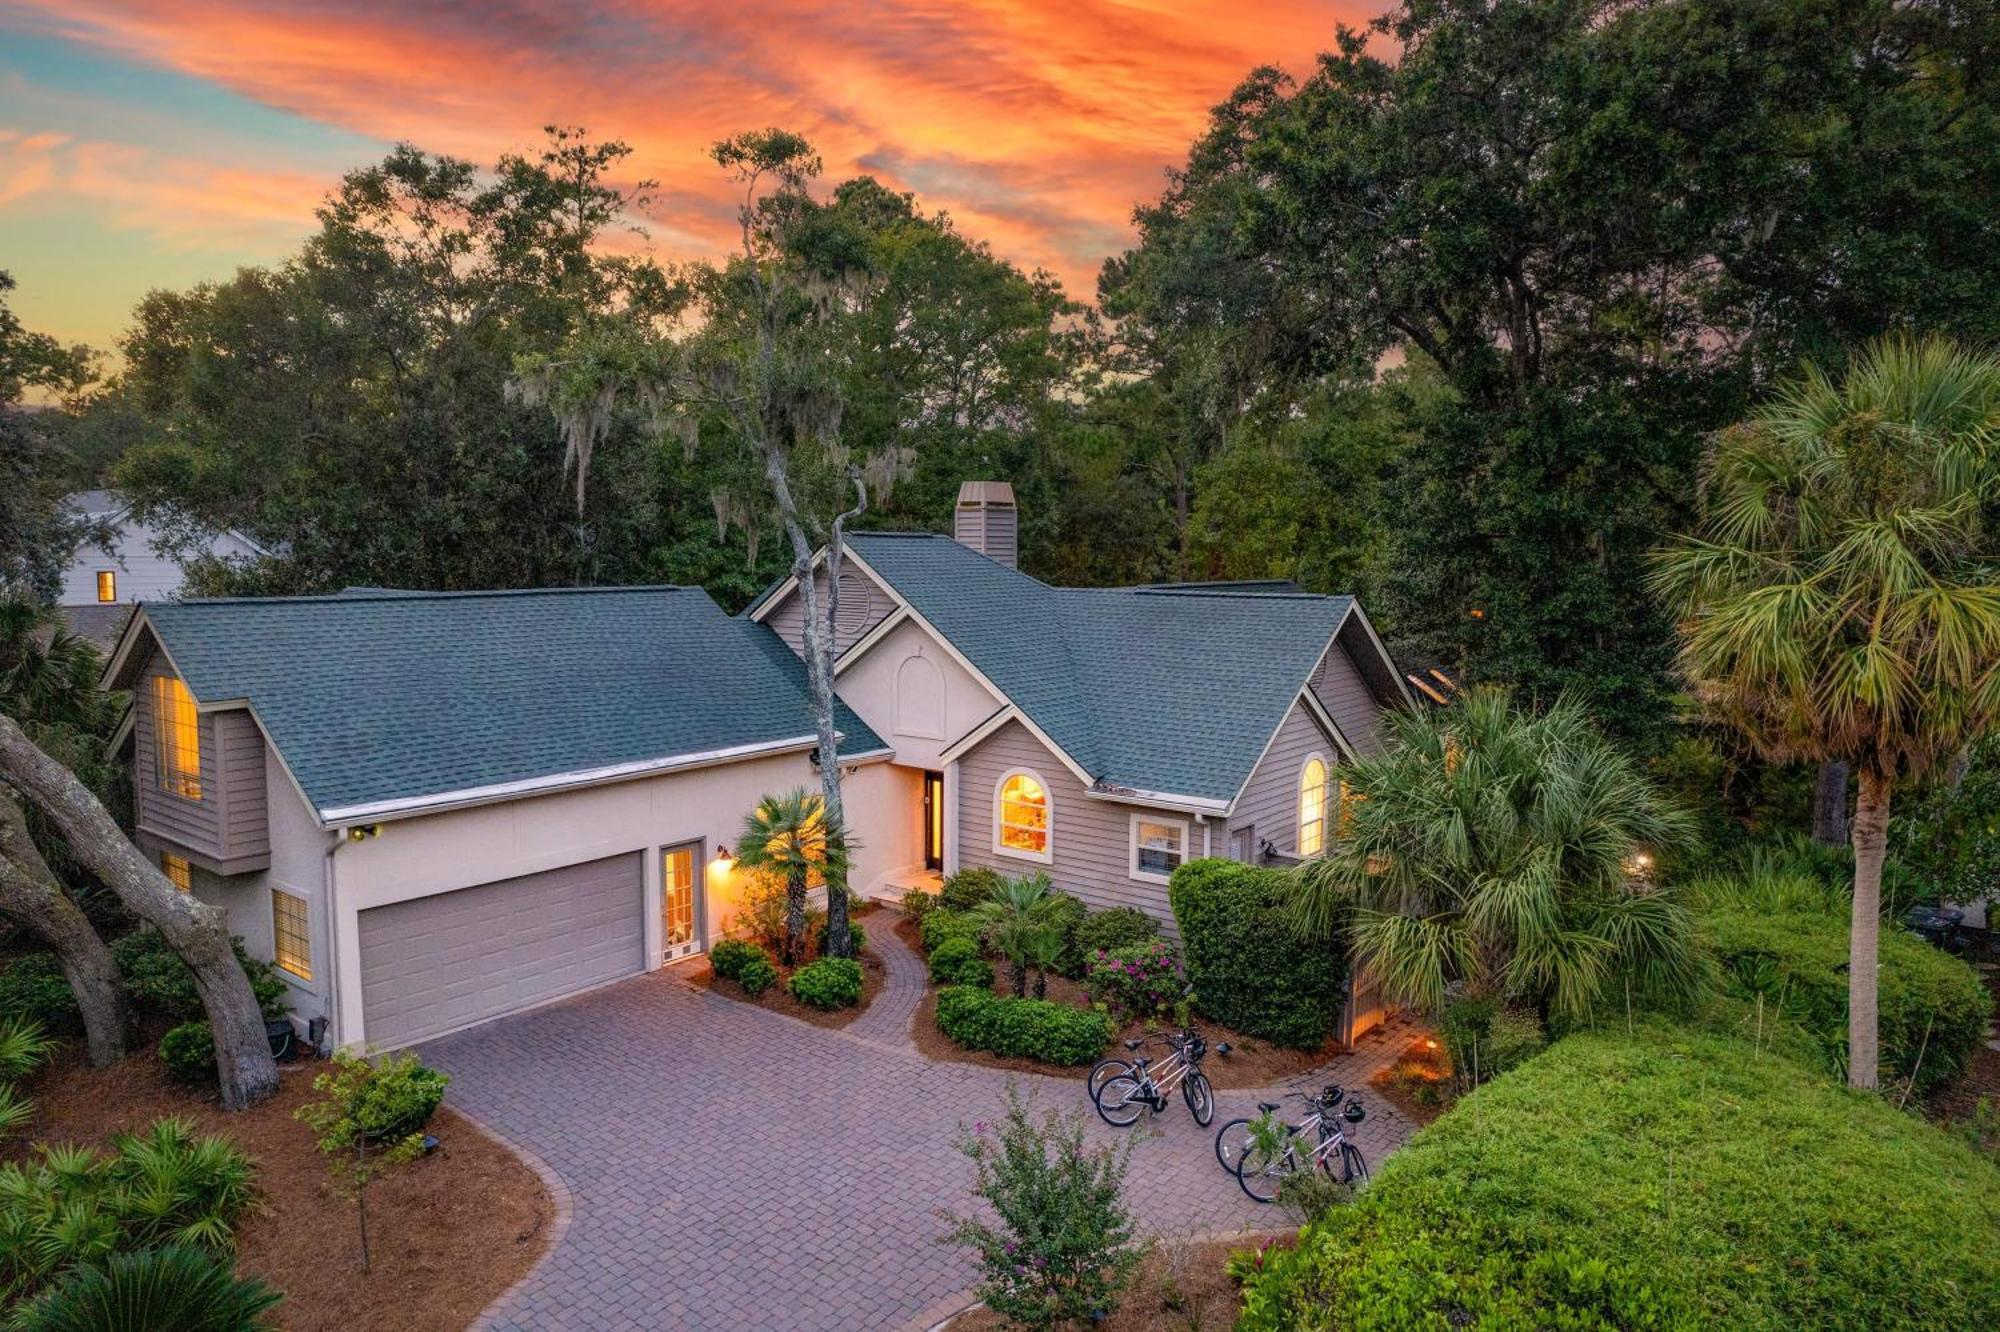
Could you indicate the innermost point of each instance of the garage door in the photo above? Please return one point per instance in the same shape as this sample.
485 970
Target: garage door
441 962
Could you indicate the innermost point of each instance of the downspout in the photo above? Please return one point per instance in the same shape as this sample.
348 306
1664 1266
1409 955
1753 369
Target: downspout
326 1041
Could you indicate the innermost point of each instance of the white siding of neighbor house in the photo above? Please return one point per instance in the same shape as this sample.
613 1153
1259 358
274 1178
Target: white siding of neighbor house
1270 801
863 605
891 688
1348 699
1091 840
143 574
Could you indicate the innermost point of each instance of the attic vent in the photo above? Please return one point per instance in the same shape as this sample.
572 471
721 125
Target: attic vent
854 608
987 521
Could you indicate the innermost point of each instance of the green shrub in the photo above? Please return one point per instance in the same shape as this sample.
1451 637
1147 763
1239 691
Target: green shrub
729 956
757 975
1248 969
957 962
1138 980
33 988
1483 1039
1064 1246
189 1052
918 903
968 888
859 935
978 1019
830 983
1102 931
942 925
179 1287
1931 1004
156 979
1663 1180
1066 913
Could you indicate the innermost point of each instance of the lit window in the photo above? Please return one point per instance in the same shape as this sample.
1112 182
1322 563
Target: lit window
107 585
176 737
177 871
1158 847
291 934
1312 807
1022 818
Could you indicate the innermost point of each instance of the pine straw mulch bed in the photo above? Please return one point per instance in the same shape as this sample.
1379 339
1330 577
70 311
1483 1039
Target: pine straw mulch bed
448 1233
1251 1062
779 997
1179 1284
1418 1083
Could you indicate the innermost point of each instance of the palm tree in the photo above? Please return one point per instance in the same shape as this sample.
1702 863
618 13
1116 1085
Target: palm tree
1015 921
787 834
1490 853
1841 602
186 1288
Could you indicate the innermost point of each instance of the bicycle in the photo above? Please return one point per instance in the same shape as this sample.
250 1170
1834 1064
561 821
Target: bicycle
1120 1097
1271 1153
1232 1138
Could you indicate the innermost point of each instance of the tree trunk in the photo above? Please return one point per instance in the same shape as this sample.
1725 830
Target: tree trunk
795 917
1829 819
31 895
197 932
1871 839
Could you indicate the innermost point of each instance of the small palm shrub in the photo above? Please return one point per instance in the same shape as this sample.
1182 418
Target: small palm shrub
1138 980
757 975
189 1053
968 888
23 1049
830 983
957 962
729 956
1064 914
33 988
1060 1245
978 1019
1120 927
153 1290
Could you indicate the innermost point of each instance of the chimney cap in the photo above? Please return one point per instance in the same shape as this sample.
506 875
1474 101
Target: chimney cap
973 493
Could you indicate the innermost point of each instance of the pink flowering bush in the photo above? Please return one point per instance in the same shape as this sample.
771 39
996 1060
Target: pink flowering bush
1138 980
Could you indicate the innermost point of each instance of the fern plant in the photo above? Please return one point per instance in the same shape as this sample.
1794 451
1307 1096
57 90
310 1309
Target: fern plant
184 1288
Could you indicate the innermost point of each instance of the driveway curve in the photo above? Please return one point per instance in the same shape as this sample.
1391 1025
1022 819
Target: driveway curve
729 1167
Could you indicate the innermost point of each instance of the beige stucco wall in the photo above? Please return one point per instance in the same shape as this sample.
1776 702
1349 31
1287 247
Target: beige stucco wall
884 687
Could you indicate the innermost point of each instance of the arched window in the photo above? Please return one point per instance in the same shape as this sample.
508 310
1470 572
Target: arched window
920 698
1022 816
1312 806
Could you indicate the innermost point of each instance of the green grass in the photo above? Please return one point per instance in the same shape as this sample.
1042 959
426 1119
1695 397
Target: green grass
1663 1180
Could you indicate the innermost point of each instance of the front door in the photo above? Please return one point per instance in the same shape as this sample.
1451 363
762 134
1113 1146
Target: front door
680 901
933 821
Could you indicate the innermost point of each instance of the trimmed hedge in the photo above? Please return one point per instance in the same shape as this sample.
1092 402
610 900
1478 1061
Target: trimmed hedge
978 1019
189 1052
1930 1002
1661 1180
1119 927
957 962
968 888
757 975
830 983
942 925
1247 968
729 956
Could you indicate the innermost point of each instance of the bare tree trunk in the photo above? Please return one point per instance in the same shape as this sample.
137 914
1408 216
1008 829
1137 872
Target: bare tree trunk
795 916
1871 839
31 895
1829 819
195 931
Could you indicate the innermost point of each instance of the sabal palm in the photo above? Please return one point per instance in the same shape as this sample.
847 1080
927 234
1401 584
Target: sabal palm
1489 852
787 834
1842 599
1015 920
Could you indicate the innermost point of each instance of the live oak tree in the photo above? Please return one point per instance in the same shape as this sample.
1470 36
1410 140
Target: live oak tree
1841 599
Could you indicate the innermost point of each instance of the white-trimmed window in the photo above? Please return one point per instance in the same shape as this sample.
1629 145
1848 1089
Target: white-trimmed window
1312 805
291 933
1159 845
1023 817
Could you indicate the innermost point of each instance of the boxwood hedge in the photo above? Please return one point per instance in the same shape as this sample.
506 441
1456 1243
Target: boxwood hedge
830 983
1660 1180
1932 1005
942 925
978 1019
1248 970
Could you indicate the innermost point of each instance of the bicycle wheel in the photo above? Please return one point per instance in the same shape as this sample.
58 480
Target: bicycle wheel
1200 1097
1120 1100
1103 1071
1262 1170
1231 1141
1353 1166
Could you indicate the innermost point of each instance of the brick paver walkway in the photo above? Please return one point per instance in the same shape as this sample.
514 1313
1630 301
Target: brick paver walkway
729 1167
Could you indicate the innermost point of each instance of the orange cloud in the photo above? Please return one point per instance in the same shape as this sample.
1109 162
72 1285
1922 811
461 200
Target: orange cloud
1037 124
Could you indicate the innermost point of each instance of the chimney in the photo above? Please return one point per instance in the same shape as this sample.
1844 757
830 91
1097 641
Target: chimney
987 521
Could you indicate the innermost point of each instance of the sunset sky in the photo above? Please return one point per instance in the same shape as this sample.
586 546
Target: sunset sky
148 143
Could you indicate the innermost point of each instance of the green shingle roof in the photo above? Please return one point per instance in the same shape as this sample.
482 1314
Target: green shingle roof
1173 689
373 695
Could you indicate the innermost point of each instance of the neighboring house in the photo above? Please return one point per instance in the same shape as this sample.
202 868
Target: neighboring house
102 584
433 808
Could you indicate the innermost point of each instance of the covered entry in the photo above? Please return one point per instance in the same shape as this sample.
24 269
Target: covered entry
437 963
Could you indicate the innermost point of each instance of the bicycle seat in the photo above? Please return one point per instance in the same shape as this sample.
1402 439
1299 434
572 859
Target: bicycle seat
1133 1045
1268 1107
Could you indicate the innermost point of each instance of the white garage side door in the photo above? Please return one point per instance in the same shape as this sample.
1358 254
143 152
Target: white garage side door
438 963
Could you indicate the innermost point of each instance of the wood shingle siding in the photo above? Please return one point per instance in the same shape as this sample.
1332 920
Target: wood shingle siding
863 605
1348 699
1269 805
1090 840
226 829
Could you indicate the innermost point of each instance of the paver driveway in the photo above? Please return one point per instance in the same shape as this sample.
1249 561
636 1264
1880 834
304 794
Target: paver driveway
730 1167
